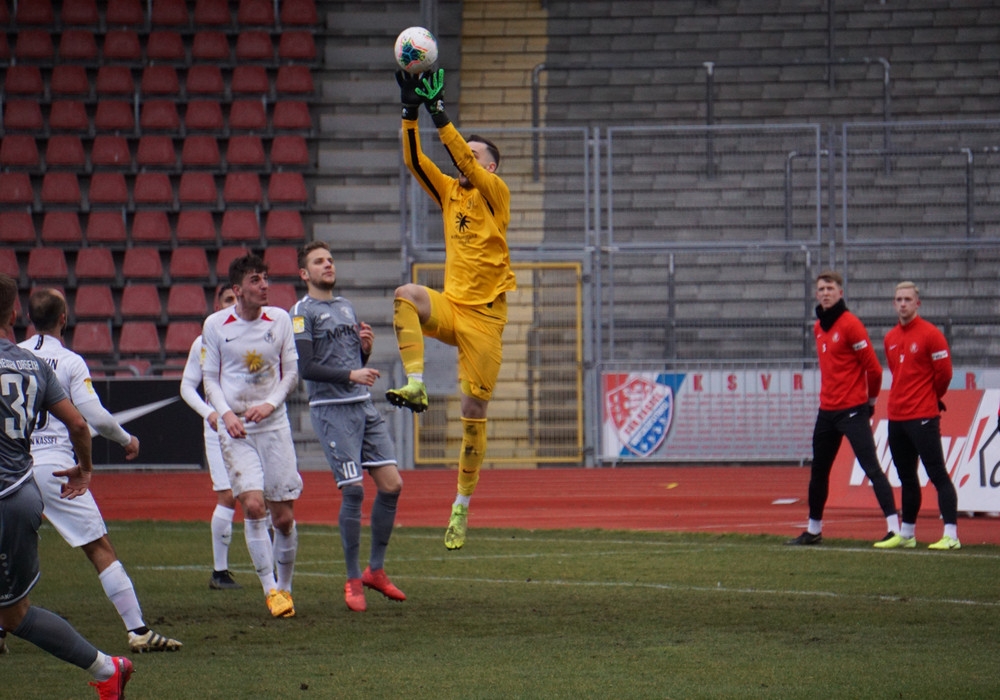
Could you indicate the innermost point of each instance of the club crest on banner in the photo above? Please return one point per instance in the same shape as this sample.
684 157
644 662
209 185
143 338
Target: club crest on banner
640 409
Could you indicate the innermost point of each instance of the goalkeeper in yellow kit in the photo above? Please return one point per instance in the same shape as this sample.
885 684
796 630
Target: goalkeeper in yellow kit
471 312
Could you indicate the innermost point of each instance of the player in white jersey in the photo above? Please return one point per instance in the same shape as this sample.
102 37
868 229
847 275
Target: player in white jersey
333 353
79 521
225 507
249 369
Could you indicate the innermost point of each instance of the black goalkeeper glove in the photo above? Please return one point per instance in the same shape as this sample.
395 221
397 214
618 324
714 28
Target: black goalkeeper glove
409 85
432 91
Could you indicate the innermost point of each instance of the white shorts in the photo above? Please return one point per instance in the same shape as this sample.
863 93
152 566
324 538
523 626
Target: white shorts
79 521
216 466
263 461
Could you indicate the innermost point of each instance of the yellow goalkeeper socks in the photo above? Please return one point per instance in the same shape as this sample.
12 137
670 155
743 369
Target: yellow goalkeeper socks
406 323
473 451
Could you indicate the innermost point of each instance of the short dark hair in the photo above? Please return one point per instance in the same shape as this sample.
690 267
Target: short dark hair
490 146
831 276
308 248
241 267
45 306
8 297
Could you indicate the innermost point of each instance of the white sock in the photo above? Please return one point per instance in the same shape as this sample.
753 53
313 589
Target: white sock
103 667
892 522
951 531
461 500
222 535
419 377
908 530
815 527
259 546
118 587
285 549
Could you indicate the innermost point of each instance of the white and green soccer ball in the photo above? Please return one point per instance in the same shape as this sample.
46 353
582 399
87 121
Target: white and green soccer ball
416 50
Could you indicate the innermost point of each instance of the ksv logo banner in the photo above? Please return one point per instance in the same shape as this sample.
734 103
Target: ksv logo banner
638 410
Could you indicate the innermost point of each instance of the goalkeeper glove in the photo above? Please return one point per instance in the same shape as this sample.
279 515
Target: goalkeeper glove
432 92
408 94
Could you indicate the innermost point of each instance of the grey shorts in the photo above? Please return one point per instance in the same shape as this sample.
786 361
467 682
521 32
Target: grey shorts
354 437
20 518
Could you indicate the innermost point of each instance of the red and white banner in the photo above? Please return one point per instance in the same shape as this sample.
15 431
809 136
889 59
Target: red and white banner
966 428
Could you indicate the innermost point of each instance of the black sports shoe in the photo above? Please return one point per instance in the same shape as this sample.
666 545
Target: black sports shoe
806 538
222 580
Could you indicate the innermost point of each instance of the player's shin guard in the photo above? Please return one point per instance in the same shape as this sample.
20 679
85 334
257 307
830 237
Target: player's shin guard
406 324
473 451
120 591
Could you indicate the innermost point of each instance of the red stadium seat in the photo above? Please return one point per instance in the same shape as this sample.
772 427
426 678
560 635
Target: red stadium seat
292 115
294 80
254 45
284 225
126 12
94 264
180 335
108 188
60 188
249 80
159 115
153 189
65 151
186 300
69 80
47 264
34 45
79 13
205 79
240 225
212 13
299 12
35 12
69 115
142 263
242 188
114 115
289 150
151 226
287 188
61 228
139 338
94 301
114 80
141 301
296 46
19 151
189 263
92 338
77 45
122 45
226 256
210 46
282 295
247 115
17 228
23 115
204 115
15 188
198 188
169 12
196 226
106 227
23 79
156 152
282 261
165 45
259 12
8 263
200 151
160 80
110 151
245 150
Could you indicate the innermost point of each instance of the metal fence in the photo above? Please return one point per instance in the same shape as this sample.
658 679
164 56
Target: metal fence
700 245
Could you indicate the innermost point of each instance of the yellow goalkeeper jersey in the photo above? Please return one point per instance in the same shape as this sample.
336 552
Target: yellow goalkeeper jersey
477 261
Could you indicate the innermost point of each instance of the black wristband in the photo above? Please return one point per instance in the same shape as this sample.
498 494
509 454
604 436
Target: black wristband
440 118
411 112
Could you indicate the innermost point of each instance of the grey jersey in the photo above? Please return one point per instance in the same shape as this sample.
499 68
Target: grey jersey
332 326
27 387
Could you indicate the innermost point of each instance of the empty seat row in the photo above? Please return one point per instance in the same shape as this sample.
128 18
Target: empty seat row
67 151
119 116
161 80
62 188
128 46
170 13
108 228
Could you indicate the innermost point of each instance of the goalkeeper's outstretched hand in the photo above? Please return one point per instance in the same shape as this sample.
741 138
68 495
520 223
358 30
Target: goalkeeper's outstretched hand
409 85
432 91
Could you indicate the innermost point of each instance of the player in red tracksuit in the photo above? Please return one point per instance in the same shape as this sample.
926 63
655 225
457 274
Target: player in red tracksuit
917 355
851 378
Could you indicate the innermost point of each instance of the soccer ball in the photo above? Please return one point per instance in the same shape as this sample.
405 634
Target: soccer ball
416 50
